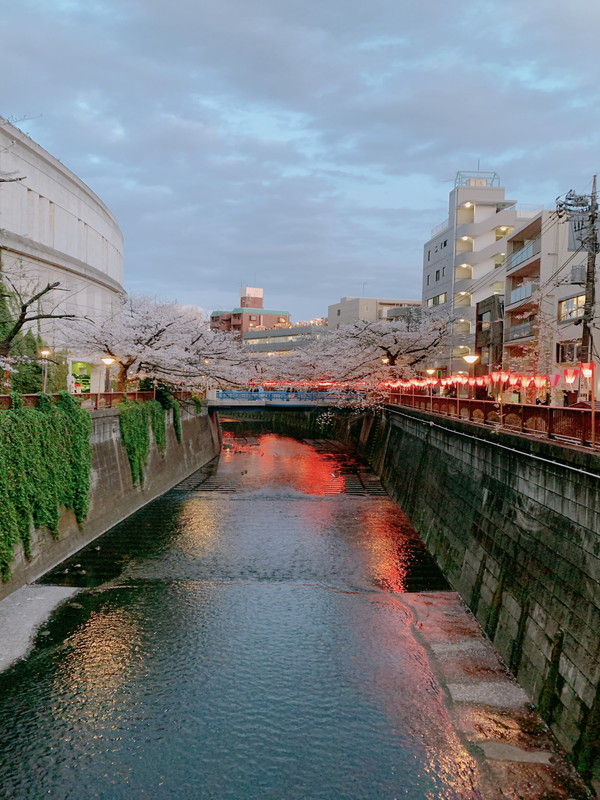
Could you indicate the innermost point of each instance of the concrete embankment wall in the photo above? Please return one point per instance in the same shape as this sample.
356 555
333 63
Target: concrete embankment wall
113 496
514 523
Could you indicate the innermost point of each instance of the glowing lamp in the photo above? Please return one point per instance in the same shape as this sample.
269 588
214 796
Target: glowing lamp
513 380
554 379
504 376
570 375
472 381
480 381
496 376
587 370
526 381
471 359
462 379
487 379
540 381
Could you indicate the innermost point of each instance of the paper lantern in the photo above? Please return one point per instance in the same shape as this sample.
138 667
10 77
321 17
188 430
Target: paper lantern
496 376
504 376
480 381
540 381
570 375
526 381
472 381
513 380
587 369
487 379
554 379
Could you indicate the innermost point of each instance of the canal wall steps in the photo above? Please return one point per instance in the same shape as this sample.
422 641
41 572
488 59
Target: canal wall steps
113 496
514 523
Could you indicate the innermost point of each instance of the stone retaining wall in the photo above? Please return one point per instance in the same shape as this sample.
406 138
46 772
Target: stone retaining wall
515 525
113 496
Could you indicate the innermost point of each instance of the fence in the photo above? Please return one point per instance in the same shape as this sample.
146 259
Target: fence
569 425
91 401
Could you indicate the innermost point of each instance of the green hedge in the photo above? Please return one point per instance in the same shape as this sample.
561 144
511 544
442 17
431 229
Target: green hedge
45 464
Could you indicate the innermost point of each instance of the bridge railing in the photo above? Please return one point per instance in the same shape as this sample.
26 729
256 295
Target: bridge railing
569 425
223 397
92 400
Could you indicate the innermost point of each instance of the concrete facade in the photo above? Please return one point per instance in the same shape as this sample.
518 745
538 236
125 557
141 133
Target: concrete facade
113 496
365 309
54 228
281 341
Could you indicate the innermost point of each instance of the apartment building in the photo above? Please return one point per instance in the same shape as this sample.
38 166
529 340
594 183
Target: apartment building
461 259
250 315
366 309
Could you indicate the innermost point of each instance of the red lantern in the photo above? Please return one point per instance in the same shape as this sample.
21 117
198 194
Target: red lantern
540 381
587 369
496 376
487 379
504 376
554 379
526 381
513 380
570 375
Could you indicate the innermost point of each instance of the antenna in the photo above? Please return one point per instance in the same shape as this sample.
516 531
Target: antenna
364 288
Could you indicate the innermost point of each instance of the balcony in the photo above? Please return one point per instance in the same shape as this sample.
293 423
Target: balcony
520 331
524 254
522 292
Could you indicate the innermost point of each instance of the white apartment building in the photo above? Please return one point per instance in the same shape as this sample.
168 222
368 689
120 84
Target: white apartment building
461 259
364 309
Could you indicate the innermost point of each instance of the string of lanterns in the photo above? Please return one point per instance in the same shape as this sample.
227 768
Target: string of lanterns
500 379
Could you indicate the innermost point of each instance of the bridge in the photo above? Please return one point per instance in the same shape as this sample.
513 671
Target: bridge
218 398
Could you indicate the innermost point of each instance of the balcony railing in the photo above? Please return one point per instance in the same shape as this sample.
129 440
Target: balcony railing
525 253
441 227
522 292
520 331
92 400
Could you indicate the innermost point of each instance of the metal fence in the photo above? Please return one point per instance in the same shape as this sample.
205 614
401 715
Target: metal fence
93 400
568 425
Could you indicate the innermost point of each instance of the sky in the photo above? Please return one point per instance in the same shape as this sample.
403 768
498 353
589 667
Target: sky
302 146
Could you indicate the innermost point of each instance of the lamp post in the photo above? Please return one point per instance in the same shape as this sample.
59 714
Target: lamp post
107 362
44 354
471 359
588 371
430 372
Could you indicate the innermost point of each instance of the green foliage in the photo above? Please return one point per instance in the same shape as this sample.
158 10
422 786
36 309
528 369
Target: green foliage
199 404
164 396
177 419
45 463
28 375
135 421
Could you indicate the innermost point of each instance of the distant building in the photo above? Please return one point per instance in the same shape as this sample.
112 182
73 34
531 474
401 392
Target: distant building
364 309
250 315
281 341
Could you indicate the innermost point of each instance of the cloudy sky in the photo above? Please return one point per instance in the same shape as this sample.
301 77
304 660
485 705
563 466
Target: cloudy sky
305 146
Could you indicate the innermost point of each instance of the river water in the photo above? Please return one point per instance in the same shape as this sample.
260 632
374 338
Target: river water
243 637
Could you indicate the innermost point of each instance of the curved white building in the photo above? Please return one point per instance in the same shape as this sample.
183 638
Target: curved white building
54 228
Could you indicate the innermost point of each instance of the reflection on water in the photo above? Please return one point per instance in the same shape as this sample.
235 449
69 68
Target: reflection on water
241 637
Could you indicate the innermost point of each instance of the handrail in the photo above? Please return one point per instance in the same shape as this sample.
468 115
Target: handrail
92 401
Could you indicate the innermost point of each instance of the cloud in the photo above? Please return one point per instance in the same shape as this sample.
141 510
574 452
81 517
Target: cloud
299 145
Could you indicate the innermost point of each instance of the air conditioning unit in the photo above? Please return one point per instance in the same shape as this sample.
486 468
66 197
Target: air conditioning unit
578 272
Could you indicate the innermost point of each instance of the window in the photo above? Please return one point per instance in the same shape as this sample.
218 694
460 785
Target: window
443 271
429 255
571 308
569 352
437 300
486 320
338 312
445 243
253 317
428 277
437 274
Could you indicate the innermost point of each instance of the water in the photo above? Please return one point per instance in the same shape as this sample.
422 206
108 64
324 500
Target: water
243 637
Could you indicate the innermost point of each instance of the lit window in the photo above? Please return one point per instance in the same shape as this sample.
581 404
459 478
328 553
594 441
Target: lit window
571 308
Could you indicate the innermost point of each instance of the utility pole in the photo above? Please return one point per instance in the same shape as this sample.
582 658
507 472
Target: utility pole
590 279
582 213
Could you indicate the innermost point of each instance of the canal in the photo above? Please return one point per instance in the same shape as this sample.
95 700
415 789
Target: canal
242 637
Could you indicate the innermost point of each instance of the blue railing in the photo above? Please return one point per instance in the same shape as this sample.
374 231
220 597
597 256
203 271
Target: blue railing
325 398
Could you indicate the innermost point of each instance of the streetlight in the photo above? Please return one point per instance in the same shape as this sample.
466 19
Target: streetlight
107 362
471 359
430 372
44 354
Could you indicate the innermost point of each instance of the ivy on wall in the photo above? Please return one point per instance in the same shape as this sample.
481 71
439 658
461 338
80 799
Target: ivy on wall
135 421
45 464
